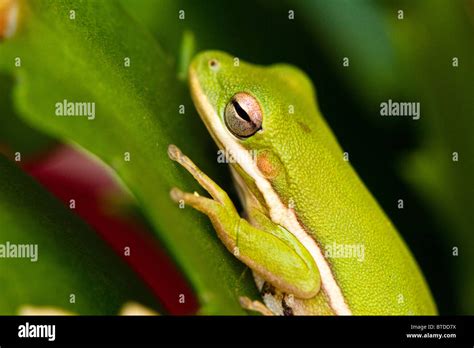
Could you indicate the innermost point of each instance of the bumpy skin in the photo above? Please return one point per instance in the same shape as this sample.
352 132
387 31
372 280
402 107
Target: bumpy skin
307 170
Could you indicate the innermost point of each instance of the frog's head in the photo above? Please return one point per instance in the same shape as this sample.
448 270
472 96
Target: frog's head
245 103
251 109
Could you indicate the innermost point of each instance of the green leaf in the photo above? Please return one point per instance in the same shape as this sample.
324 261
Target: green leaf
70 257
15 135
136 115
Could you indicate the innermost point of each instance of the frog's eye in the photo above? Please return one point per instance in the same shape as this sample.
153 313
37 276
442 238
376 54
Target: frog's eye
243 115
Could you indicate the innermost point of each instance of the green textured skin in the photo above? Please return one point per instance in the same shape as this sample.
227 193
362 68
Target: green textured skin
330 200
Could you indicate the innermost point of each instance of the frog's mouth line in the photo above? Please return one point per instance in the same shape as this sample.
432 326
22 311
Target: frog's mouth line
279 213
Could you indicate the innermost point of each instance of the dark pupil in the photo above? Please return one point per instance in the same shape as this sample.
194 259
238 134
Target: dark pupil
241 112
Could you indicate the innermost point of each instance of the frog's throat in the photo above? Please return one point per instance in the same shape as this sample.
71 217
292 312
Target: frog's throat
279 213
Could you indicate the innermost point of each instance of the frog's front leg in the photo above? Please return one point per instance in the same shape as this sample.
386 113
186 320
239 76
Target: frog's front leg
273 253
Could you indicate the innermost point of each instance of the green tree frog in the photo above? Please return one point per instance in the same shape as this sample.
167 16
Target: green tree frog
313 235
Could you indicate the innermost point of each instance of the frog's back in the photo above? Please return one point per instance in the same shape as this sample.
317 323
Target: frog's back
369 261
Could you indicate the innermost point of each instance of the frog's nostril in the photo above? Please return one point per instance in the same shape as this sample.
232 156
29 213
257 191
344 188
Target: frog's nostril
213 64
